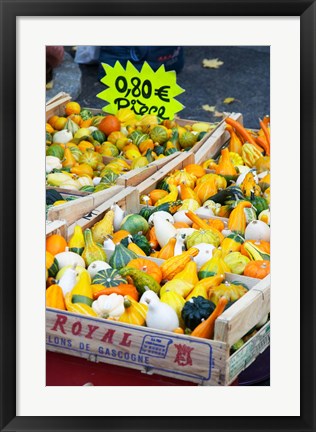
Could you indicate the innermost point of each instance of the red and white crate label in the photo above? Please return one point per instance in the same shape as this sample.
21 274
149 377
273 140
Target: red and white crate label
143 348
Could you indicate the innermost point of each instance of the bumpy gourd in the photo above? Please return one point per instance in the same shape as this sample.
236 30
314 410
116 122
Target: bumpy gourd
92 252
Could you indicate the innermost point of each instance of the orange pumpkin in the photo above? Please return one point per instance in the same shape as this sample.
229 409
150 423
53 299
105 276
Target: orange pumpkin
147 266
157 194
119 236
257 269
225 167
84 145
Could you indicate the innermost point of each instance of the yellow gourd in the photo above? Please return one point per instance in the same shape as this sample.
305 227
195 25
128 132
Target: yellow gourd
76 243
103 228
225 167
82 291
188 193
189 273
174 265
135 313
203 286
172 196
168 250
237 219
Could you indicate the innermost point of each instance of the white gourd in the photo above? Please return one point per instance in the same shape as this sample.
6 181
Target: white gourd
148 294
180 216
97 266
161 316
205 254
163 214
96 180
62 137
164 230
69 258
179 247
108 244
78 269
257 230
68 279
118 216
204 212
109 306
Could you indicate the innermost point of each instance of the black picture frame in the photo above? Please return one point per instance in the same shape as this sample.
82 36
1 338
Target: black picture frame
9 11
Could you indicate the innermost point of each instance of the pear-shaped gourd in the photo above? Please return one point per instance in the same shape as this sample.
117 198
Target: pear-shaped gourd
216 265
92 251
68 279
118 216
76 243
161 316
189 273
103 228
82 291
164 230
176 301
97 266
237 219
121 256
68 258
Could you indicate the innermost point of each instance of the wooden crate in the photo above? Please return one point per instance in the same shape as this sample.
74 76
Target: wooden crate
202 361
56 227
75 209
216 141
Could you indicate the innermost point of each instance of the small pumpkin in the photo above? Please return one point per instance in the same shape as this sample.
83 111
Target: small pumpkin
147 266
121 256
257 269
55 297
135 313
108 278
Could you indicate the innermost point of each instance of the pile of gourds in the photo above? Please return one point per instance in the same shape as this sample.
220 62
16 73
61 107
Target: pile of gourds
165 267
77 143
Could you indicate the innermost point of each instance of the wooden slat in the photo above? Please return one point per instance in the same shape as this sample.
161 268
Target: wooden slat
76 209
56 227
243 315
57 107
127 199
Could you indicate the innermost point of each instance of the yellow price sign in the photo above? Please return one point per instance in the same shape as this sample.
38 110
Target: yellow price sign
144 91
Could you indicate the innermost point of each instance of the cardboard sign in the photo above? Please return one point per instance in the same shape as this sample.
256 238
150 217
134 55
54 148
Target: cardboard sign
144 91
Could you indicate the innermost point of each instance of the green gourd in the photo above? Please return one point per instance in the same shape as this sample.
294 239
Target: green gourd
141 280
229 290
202 236
215 265
195 310
109 278
141 241
134 223
92 251
76 243
121 256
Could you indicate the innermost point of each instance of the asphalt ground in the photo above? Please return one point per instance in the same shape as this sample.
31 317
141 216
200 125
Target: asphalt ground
244 76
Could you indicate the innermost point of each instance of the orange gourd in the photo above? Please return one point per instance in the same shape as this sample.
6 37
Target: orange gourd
82 169
225 167
237 219
157 194
134 248
257 269
122 289
196 170
206 328
147 266
205 189
151 237
55 297
55 244
168 250
181 225
84 145
176 264
235 145
118 236
69 159
187 193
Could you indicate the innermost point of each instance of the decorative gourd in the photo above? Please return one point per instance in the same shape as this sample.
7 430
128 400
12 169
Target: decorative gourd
171 197
259 203
206 189
231 291
187 139
147 266
220 181
237 219
235 145
96 266
216 265
182 177
142 243
76 243
202 224
108 278
204 255
55 297
236 262
135 313
250 154
118 216
51 264
205 213
68 258
79 308
170 207
157 194
92 251
167 251
177 285
108 179
202 236
122 289
152 239
134 223
231 243
249 186
161 316
181 217
195 310
264 216
188 193
254 252
257 269
225 167
68 160
118 236
188 274
174 265
257 230
134 248
162 214
148 294
164 230
91 158
109 306
203 286
176 301
140 279
82 291
206 328
121 256
261 246
68 279
189 204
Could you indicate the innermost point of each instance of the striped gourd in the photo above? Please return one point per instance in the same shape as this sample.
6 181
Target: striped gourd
255 253
51 264
108 278
121 257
